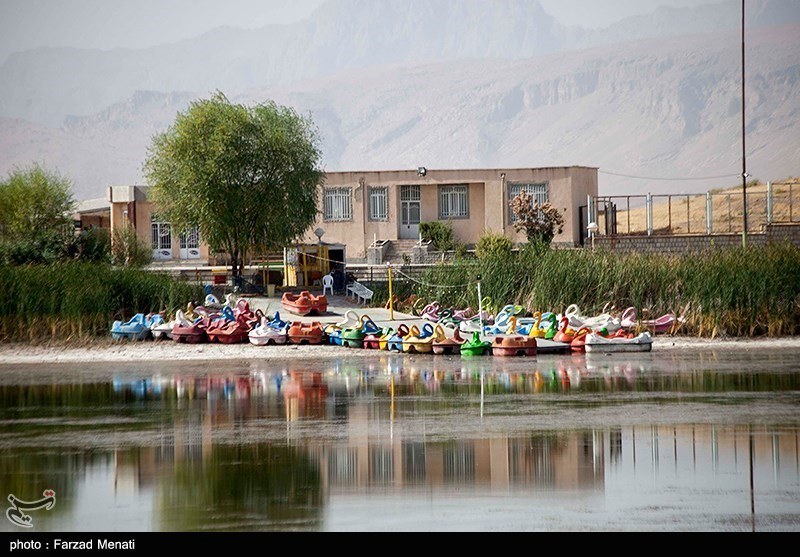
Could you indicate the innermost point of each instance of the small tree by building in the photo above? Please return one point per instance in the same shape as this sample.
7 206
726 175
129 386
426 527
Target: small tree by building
540 223
244 175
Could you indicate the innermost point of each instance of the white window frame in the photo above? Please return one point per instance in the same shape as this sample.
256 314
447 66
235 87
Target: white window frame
540 192
337 204
379 203
454 202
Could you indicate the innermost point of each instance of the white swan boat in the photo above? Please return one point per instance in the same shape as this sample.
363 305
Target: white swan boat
640 343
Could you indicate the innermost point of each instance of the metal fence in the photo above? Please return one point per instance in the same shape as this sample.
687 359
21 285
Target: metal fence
714 212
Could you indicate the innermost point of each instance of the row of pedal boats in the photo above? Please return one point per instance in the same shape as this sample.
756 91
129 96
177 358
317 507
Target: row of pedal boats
237 323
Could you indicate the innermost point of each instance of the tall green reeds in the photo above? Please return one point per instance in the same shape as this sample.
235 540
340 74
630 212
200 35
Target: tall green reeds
735 292
70 301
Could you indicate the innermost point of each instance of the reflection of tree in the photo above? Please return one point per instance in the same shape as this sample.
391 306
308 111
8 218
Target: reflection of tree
258 487
26 473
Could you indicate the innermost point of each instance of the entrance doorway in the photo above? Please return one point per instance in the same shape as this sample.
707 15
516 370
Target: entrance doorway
190 244
409 212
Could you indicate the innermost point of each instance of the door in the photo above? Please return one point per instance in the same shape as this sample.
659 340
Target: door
409 212
190 244
160 239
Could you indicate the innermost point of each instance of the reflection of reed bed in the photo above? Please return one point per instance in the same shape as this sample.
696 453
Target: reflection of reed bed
73 301
728 292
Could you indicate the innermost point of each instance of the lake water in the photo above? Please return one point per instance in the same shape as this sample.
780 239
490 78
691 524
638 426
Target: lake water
690 440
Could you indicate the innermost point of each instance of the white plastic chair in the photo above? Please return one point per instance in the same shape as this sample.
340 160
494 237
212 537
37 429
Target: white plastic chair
327 283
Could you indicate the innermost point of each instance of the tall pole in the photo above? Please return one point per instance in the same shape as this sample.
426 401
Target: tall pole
480 304
744 150
391 295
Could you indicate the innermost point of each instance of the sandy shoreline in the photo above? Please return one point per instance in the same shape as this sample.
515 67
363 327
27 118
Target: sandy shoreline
148 351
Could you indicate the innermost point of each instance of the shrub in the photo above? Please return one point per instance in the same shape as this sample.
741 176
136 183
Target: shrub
440 234
493 245
128 250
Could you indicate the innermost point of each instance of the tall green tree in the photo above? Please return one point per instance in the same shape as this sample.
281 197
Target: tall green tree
244 175
34 201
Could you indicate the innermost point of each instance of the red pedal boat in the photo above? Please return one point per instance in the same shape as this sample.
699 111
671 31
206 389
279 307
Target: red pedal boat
305 333
515 345
229 332
304 303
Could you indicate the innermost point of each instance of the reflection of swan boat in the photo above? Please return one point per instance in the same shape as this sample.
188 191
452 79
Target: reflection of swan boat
639 343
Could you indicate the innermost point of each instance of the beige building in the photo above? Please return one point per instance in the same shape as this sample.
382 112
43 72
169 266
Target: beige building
356 209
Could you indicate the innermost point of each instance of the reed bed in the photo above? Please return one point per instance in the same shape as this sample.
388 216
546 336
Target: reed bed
71 301
733 292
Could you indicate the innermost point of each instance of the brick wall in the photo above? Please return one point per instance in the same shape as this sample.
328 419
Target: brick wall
664 244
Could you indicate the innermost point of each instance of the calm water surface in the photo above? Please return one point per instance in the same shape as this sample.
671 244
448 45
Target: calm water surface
693 440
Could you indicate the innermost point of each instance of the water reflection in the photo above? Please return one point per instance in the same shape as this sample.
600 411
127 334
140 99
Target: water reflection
416 443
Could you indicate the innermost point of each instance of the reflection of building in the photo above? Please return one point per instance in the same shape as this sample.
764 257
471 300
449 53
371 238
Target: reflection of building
305 396
572 460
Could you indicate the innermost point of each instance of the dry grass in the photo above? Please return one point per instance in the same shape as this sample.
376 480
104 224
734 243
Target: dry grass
687 214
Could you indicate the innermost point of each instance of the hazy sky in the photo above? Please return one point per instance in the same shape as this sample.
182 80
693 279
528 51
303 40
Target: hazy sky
26 24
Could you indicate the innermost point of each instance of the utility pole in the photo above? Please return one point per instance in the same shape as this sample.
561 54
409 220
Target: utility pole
744 150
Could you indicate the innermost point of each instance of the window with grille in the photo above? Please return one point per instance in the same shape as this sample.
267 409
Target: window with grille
338 204
537 191
453 202
378 204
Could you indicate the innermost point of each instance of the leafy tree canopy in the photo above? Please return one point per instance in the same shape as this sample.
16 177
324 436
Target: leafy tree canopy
244 175
34 202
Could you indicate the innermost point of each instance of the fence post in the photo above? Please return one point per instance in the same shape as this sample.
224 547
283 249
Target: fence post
709 222
391 297
769 202
649 214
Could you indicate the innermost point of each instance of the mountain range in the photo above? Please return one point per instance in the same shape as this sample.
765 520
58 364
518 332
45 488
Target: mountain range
442 84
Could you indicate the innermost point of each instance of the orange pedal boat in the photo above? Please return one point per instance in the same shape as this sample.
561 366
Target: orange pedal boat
305 333
304 303
516 345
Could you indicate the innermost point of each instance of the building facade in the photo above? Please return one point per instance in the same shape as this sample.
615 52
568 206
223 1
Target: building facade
358 208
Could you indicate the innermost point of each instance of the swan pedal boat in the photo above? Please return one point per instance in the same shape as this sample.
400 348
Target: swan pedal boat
137 328
419 342
269 332
598 343
442 344
476 346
